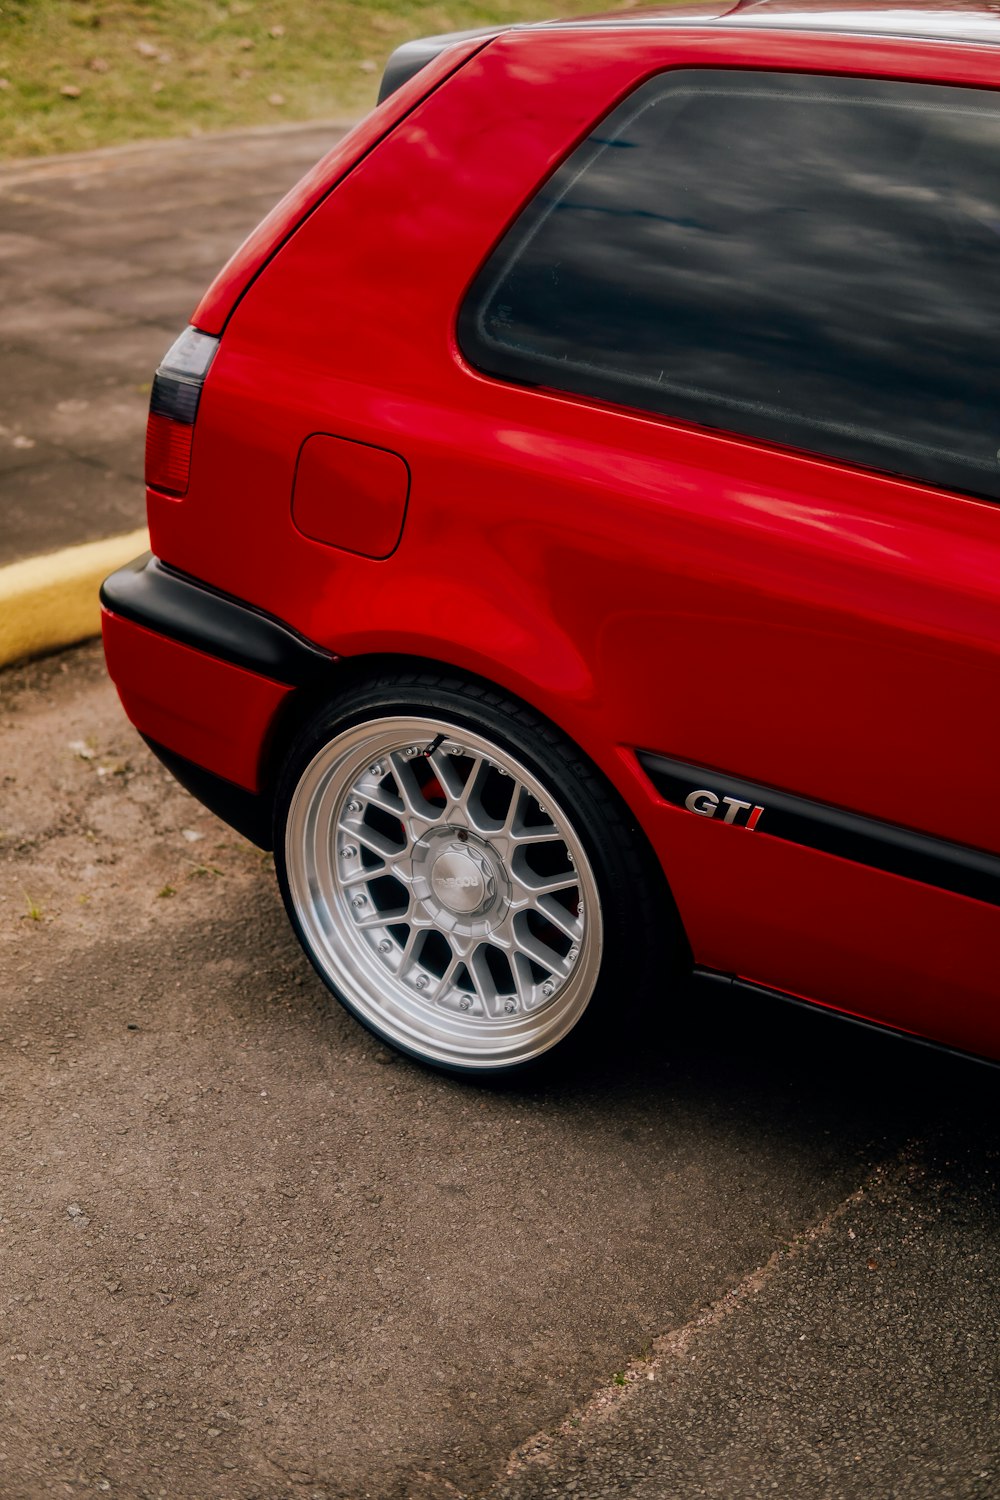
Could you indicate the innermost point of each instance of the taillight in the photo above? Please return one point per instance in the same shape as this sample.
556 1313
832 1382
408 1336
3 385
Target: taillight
173 407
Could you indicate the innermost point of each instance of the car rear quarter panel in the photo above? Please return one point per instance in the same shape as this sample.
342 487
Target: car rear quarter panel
644 584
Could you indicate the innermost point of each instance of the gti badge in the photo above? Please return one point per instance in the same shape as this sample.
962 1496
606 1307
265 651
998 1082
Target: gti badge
708 804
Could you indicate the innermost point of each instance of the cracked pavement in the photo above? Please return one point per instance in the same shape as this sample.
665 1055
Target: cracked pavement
247 1254
103 258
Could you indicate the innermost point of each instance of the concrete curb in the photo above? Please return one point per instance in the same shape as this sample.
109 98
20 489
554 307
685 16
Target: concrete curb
51 601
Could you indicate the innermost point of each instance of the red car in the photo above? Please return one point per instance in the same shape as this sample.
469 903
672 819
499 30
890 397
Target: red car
575 527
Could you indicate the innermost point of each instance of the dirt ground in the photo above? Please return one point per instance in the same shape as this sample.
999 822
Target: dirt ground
247 1254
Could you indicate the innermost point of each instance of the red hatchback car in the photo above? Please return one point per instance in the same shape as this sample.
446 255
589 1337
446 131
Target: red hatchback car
575 527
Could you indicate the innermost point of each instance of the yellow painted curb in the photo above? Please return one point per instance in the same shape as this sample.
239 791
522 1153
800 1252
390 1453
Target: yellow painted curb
48 602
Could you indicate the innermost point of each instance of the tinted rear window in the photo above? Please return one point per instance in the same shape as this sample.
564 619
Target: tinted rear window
809 260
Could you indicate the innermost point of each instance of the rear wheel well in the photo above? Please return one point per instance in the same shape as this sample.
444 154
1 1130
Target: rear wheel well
305 703
301 705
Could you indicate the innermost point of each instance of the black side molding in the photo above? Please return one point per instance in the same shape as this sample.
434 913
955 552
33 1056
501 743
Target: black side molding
156 596
248 812
408 59
816 825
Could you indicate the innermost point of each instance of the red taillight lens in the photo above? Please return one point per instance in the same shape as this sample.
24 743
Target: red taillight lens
168 454
173 408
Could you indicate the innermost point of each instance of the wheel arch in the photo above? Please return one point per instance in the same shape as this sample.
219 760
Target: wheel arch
350 672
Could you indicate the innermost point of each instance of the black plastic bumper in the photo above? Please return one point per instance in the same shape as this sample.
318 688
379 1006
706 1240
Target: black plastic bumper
149 593
250 813
152 595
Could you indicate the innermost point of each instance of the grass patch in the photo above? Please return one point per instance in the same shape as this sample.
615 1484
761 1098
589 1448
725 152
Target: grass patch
77 74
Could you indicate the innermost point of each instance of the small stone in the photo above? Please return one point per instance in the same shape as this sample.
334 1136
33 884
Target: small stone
214 1432
192 836
98 65
276 99
113 1286
68 91
147 49
82 749
277 31
22 440
367 65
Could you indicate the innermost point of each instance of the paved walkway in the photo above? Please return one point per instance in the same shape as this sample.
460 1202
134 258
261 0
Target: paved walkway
245 1254
103 257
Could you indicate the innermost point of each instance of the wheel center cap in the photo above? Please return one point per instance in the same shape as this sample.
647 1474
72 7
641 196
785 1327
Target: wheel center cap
459 881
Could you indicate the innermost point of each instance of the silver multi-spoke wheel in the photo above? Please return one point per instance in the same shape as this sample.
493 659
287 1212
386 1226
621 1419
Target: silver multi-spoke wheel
443 892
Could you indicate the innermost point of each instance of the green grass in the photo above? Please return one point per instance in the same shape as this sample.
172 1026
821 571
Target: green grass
146 68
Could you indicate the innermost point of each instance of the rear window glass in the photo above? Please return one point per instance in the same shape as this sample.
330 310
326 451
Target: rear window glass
809 260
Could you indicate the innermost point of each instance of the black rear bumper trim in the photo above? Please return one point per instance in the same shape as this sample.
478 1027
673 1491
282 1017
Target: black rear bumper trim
248 812
957 868
150 593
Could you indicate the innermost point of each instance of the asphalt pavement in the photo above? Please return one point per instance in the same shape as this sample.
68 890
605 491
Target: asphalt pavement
247 1254
103 258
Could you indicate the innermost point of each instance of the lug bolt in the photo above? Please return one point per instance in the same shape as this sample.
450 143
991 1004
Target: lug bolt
348 851
385 946
376 770
569 861
359 901
412 750
353 806
421 981
456 750
465 1003
510 1006
463 835
548 988
574 954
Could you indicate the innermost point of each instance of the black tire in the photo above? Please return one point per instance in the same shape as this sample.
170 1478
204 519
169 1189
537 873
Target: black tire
594 834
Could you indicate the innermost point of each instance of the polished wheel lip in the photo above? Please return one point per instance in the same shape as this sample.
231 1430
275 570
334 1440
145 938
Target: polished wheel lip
326 833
